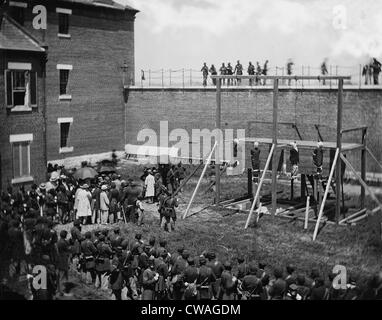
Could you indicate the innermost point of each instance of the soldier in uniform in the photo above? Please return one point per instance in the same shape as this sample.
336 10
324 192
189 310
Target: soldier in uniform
103 264
190 277
291 275
75 242
167 205
116 279
149 280
278 288
251 72
129 200
265 71
251 287
324 70
177 273
204 70
115 238
259 72
205 278
162 286
376 65
89 252
213 72
289 65
229 73
223 72
229 282
238 71
64 250
217 269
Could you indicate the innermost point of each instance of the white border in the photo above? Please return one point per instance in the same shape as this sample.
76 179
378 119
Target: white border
20 137
19 66
64 67
63 10
64 120
18 4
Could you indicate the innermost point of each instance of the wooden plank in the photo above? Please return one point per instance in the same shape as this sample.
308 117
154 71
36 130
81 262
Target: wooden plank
354 215
325 195
363 183
199 182
306 213
260 185
353 129
274 142
374 157
358 218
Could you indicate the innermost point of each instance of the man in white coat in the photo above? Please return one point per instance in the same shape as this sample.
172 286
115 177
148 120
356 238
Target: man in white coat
82 206
104 204
150 186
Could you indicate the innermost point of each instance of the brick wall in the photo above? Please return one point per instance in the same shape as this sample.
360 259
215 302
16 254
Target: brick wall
195 108
21 123
101 40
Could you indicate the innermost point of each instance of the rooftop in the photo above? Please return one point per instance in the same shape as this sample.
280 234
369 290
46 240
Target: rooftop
103 3
14 37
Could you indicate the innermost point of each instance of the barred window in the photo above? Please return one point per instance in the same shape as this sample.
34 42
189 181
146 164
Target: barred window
63 23
64 78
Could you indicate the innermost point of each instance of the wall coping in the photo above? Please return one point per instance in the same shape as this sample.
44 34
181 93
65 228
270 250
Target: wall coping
254 88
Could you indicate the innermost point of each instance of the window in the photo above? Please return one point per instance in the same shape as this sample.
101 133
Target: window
21 157
64 70
63 23
64 79
21 88
64 134
64 124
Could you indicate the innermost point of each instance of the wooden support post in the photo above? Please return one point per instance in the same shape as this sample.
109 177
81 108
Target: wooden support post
307 212
218 125
363 166
325 195
291 189
250 183
303 186
259 186
274 142
354 215
363 183
339 146
200 180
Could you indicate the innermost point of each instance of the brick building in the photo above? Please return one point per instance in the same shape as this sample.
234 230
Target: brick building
89 46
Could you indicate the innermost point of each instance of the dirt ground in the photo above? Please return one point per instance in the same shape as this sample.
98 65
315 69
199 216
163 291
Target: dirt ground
274 241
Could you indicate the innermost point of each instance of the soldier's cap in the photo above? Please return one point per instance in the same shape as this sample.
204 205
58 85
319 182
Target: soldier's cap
164 254
293 287
116 230
290 268
138 235
240 259
185 254
202 260
162 242
118 249
190 260
277 272
262 265
252 268
125 244
88 235
63 234
42 186
77 222
300 279
105 232
211 255
180 249
227 265
101 237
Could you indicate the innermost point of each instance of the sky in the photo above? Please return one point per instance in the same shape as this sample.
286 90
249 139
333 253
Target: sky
175 34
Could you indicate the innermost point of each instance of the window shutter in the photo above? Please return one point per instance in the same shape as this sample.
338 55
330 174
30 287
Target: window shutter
8 88
33 88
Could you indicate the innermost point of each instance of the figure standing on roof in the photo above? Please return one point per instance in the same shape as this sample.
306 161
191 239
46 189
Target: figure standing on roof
289 66
238 71
204 70
213 72
324 69
223 72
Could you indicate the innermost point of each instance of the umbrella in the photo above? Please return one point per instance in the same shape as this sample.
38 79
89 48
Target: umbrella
85 173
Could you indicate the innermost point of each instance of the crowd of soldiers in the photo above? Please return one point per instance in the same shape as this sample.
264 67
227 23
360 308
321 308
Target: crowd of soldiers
237 70
371 72
129 267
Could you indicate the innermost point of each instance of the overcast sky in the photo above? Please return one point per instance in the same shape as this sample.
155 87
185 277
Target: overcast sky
185 33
